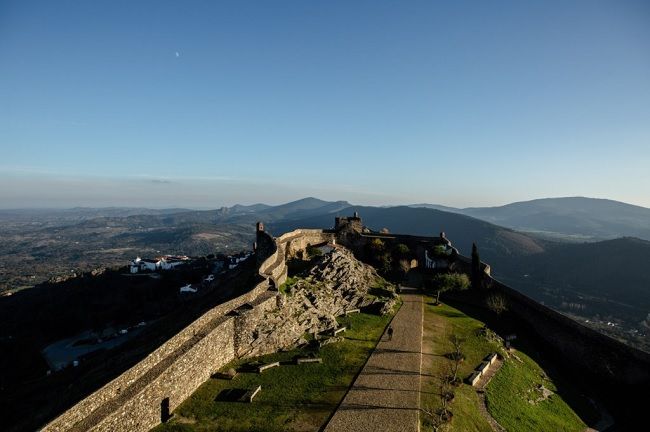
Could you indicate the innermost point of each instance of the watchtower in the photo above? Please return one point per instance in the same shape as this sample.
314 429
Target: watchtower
353 223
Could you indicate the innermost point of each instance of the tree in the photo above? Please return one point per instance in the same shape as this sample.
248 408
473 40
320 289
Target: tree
497 303
439 251
449 282
401 250
476 268
456 358
386 262
446 395
376 246
404 266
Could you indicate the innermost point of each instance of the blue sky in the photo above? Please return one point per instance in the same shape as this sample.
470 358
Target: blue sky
202 104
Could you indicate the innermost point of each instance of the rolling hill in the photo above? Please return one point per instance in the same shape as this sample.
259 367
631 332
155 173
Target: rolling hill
609 274
496 243
576 218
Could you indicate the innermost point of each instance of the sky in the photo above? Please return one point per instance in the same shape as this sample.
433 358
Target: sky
209 103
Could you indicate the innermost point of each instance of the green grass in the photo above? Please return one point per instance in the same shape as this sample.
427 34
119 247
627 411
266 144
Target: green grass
286 286
514 386
441 322
293 397
507 394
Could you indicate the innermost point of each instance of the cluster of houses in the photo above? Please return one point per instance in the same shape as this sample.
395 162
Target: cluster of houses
167 262
225 263
234 260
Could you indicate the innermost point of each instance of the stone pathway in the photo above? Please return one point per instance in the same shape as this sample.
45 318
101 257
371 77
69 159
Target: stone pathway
386 394
480 389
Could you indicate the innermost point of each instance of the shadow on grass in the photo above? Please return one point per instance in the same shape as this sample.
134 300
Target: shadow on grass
230 395
360 339
570 383
449 314
380 292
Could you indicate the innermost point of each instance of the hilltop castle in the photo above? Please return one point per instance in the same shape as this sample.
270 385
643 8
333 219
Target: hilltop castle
144 395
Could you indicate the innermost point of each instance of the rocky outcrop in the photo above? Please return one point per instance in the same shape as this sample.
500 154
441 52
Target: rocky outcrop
309 304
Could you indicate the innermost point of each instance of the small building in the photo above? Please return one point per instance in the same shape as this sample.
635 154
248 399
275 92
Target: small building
188 289
139 264
437 259
167 262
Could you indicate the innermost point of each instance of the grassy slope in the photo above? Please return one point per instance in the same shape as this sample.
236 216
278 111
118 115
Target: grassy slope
515 378
292 397
510 391
440 323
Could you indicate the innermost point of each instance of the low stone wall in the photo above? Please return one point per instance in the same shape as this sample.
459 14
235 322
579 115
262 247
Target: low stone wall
132 401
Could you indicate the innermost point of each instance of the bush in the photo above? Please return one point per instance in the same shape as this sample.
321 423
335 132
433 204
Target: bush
449 282
313 252
497 303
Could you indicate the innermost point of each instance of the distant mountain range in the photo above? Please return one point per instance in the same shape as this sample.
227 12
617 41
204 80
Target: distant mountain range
575 218
602 277
495 241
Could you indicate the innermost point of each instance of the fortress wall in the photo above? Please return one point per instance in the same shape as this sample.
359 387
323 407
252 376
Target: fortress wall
178 382
297 241
599 354
113 389
248 319
132 401
608 360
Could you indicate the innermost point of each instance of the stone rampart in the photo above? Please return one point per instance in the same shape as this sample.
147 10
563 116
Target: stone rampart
617 372
610 360
138 398
175 383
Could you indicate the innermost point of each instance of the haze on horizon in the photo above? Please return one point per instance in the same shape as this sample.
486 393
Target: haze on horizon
204 104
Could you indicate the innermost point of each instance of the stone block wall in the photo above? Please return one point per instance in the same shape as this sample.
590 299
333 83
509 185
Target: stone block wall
247 319
612 361
618 373
132 401
176 383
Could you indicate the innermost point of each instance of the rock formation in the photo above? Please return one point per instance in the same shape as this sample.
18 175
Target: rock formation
309 304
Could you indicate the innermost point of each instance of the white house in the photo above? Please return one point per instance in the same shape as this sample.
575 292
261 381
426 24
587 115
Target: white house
148 264
140 264
188 289
167 262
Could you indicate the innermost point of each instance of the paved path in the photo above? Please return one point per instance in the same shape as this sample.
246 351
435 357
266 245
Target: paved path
480 389
386 394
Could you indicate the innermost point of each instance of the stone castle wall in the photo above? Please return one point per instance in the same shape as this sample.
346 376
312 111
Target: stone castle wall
609 359
618 372
132 401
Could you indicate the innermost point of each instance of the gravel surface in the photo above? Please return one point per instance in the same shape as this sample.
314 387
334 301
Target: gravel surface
386 394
